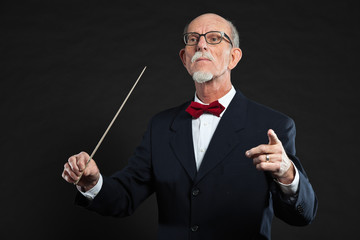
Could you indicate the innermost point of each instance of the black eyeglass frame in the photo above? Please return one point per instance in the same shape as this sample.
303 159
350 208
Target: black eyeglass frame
223 34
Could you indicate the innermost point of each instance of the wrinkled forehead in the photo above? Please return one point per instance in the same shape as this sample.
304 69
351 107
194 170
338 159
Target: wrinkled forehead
209 22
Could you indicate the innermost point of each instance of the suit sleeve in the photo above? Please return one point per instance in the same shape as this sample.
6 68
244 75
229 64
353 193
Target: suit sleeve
124 191
302 210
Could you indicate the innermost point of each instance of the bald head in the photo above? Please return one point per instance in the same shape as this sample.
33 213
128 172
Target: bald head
212 19
209 16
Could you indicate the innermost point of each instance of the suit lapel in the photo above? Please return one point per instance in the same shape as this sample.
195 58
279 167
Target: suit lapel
182 141
226 136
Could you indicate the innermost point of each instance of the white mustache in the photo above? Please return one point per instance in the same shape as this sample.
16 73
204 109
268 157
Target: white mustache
198 55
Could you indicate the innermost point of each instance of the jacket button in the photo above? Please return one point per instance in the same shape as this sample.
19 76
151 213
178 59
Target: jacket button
194 228
300 209
195 192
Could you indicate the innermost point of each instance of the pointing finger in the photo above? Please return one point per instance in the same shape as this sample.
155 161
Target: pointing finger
259 150
273 139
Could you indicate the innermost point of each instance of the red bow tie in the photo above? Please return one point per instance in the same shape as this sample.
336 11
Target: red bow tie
197 109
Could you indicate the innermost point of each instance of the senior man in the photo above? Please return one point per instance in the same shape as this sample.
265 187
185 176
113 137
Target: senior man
221 165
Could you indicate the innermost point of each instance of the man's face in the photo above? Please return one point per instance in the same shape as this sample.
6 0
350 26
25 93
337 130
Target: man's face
220 52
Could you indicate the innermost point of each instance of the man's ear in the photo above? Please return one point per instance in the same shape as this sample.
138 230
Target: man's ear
235 56
183 56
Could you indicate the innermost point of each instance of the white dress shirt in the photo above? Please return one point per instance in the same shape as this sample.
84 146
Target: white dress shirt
203 129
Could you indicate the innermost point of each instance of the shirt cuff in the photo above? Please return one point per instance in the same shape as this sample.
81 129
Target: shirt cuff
290 189
91 194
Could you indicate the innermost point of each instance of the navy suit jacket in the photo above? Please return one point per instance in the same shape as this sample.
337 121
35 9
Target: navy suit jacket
227 198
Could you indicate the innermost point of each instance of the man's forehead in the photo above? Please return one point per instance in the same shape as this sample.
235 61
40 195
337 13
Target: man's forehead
208 22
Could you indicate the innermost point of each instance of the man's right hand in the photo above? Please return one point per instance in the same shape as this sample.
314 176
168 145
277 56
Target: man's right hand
75 166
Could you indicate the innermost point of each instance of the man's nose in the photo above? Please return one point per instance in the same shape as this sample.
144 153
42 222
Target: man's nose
202 44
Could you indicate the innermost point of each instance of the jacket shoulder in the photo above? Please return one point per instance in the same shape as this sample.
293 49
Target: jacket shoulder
258 109
259 112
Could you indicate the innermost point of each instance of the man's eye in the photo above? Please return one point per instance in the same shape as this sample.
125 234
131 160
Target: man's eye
192 39
214 38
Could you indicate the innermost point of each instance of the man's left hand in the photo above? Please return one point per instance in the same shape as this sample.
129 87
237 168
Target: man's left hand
273 158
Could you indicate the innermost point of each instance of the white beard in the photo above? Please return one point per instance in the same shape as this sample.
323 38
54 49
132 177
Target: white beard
202 77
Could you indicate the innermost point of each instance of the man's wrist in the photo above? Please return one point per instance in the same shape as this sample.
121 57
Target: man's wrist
292 187
289 176
91 193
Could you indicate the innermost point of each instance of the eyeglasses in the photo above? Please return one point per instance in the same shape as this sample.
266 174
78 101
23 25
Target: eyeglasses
212 37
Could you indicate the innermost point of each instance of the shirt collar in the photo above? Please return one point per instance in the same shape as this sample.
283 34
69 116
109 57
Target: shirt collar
224 100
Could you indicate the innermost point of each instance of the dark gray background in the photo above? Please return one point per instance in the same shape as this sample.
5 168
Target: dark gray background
66 67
